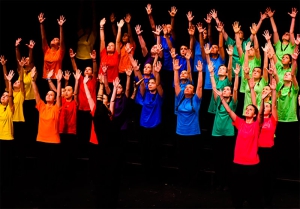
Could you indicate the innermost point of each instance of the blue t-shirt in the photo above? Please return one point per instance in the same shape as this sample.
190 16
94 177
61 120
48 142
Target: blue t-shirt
182 87
198 56
183 63
167 59
216 63
139 98
151 110
188 115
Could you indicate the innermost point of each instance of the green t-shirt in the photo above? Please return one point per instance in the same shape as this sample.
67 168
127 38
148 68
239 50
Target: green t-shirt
281 49
280 70
223 123
258 89
252 64
235 56
287 103
220 84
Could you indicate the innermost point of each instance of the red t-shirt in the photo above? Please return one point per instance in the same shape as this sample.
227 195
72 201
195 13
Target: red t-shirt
266 137
112 62
246 145
83 103
93 137
67 117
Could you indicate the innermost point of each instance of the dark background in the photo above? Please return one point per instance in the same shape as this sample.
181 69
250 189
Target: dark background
19 19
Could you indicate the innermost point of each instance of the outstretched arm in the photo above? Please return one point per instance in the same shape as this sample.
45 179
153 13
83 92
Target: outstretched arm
76 76
3 62
157 67
43 33
51 85
129 31
18 55
113 96
128 73
102 36
176 68
34 86
151 20
292 27
118 39
172 14
61 21
262 17
21 74
226 106
72 56
200 80
236 82
10 90
30 47
270 14
141 40
58 93
113 24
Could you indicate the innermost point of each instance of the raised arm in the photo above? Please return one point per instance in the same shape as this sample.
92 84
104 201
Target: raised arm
43 33
141 40
118 39
214 14
95 67
151 20
129 30
3 62
208 21
188 64
34 86
236 82
200 79
191 31
274 98
58 93
88 93
18 54
51 85
292 27
176 68
265 74
104 70
72 56
21 64
253 30
30 48
294 67
66 76
220 27
128 73
226 106
61 21
229 67
172 15
270 14
76 76
251 84
102 36
157 67
112 18
116 82
135 87
10 90
201 39
212 79
262 17
236 29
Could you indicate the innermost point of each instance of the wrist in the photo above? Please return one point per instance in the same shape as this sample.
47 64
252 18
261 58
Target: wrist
47 79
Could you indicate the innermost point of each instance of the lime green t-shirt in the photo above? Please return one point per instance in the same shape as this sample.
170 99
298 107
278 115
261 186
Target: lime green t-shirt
281 49
223 123
287 102
252 64
258 89
220 84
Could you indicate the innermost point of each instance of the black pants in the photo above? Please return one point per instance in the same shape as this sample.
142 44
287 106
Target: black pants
84 126
245 185
223 148
6 164
267 173
188 157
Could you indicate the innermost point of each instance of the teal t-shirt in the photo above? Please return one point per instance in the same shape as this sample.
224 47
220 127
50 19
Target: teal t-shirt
281 49
287 102
252 64
223 123
258 89
220 84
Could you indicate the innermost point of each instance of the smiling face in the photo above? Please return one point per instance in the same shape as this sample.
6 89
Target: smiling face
266 89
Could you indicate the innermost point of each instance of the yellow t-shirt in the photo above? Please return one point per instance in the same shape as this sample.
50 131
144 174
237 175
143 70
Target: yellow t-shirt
18 103
29 93
6 123
85 46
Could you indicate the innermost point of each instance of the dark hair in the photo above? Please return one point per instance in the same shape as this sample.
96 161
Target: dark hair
291 58
255 111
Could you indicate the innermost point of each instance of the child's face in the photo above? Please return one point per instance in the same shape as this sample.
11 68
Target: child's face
63 92
226 91
184 74
68 93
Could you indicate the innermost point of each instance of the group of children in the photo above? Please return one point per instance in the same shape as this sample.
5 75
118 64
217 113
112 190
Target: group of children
94 115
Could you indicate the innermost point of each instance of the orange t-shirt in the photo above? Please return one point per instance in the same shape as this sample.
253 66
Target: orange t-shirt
124 58
52 60
48 123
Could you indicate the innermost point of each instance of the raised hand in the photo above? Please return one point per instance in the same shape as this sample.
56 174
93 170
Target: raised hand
101 78
127 18
93 54
104 68
138 30
128 48
157 31
237 69
272 84
199 66
207 49
211 68
31 44
248 46
61 20
190 16
253 29
297 39
200 28
77 74
176 65
50 74
293 13
188 54
33 73
112 17
173 11
72 54
59 75
3 60
236 27
173 53
10 75
116 82
67 75
269 12
251 83
266 48
120 24
265 94
295 54
86 79
148 9
220 26
219 93
135 64
41 17
157 66
102 22
208 18
230 50
18 42
22 61
246 69
267 35
128 71
263 15
214 13
191 30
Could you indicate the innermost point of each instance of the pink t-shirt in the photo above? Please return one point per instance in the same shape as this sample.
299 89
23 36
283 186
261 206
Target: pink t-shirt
266 137
112 62
246 145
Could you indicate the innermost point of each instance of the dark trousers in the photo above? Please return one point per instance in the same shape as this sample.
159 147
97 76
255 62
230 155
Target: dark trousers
223 148
6 163
245 185
267 173
188 157
84 126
